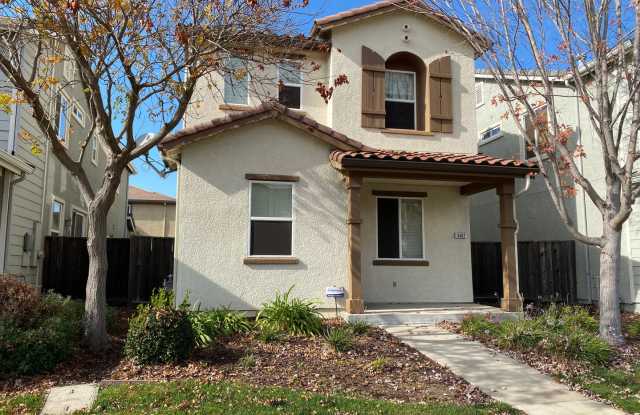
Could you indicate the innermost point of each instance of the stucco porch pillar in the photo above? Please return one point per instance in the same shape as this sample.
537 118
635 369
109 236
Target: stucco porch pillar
510 299
354 303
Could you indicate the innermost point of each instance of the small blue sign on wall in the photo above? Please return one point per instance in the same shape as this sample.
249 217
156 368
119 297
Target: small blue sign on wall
334 292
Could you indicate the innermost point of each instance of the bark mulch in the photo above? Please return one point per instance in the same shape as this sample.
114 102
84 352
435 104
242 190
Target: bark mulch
378 366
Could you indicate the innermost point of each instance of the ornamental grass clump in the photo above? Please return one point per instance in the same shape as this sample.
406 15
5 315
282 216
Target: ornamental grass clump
216 323
340 338
159 332
359 327
290 315
478 326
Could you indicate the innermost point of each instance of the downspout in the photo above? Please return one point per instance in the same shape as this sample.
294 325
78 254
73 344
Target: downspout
12 183
584 197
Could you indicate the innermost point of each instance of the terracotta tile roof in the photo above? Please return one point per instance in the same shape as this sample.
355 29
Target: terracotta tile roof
418 156
418 6
259 113
137 194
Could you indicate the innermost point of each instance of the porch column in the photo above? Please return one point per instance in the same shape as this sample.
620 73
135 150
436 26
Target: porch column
510 299
355 304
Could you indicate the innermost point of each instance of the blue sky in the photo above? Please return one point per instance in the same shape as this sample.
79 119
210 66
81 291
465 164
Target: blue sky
148 179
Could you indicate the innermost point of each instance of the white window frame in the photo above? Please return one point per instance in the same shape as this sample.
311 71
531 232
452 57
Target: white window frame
492 137
415 96
248 103
76 107
94 150
64 140
535 131
83 213
52 230
422 228
292 219
480 86
293 85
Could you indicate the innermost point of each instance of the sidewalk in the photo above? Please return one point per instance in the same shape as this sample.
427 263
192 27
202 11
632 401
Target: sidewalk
497 375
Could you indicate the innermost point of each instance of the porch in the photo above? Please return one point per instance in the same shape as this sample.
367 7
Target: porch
431 314
463 175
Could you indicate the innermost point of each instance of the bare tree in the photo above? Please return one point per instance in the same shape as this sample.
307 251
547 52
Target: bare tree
134 60
594 46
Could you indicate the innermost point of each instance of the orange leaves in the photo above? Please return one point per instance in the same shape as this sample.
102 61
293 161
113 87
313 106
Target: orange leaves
579 152
326 92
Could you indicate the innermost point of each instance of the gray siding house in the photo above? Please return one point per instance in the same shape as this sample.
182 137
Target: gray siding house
38 196
536 215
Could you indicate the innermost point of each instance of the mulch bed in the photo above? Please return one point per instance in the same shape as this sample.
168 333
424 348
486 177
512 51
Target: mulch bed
626 359
295 362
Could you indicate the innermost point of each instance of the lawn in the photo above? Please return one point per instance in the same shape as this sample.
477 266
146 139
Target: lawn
228 398
28 403
563 343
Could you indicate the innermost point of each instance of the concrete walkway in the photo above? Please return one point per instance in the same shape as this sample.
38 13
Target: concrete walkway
497 375
69 399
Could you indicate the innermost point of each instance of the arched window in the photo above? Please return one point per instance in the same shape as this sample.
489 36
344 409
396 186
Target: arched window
405 88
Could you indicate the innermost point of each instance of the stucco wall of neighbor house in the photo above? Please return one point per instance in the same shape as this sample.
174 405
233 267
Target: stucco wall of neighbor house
213 218
537 216
154 219
427 40
209 93
448 276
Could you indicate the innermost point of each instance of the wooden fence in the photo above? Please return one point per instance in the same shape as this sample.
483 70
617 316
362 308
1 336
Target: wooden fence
547 271
137 265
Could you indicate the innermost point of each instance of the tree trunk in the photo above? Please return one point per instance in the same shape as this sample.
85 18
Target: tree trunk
610 320
96 291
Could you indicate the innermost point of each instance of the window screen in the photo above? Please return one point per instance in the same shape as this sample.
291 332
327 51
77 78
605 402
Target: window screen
271 219
400 228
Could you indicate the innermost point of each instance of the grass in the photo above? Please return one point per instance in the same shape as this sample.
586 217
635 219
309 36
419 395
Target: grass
227 398
620 387
29 403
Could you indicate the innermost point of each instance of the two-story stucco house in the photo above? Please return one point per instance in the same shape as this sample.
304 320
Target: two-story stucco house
39 197
370 191
537 217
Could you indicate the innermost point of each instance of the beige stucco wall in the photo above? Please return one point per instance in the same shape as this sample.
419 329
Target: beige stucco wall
448 276
154 219
213 217
428 40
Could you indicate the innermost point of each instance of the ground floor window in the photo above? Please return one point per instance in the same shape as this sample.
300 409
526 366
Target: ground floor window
271 219
400 228
57 217
77 223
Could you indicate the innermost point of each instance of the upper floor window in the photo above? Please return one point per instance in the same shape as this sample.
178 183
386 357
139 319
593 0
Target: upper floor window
78 113
400 99
290 84
62 117
479 94
536 130
490 133
236 82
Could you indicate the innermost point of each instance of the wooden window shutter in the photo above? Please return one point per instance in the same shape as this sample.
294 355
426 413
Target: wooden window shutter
440 95
373 94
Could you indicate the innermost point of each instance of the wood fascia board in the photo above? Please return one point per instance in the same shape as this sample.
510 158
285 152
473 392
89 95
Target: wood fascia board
441 167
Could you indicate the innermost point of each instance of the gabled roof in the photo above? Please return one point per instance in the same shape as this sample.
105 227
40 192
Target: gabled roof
139 195
327 23
172 144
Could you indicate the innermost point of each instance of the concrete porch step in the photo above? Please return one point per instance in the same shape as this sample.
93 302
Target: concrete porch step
429 314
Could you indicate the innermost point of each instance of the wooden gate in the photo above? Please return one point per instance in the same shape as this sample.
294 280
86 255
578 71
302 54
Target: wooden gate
547 271
137 265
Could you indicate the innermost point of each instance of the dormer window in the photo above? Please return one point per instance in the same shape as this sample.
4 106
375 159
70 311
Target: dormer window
400 99
290 85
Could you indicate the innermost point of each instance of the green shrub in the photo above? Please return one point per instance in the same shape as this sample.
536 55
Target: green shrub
519 334
267 334
247 361
379 364
579 345
578 318
478 326
291 315
633 328
160 332
359 328
340 338
19 302
211 324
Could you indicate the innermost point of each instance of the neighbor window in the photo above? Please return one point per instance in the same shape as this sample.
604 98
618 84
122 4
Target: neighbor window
479 94
271 218
536 135
77 223
400 228
290 84
400 99
62 110
78 113
490 133
236 82
57 217
94 150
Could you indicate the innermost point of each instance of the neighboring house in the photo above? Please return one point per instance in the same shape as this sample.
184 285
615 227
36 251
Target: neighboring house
369 192
39 196
151 213
537 217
